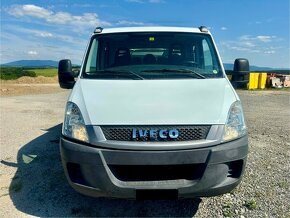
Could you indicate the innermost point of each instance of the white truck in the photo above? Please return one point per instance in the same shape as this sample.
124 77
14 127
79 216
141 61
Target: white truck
152 115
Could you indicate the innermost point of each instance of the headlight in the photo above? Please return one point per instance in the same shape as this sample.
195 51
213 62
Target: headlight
235 126
74 125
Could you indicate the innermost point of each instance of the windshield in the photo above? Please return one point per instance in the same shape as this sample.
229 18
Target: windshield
151 56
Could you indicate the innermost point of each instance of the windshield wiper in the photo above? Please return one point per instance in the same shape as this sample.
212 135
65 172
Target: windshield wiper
127 72
188 71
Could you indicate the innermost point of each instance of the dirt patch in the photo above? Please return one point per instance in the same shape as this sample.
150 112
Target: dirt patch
29 85
28 89
31 80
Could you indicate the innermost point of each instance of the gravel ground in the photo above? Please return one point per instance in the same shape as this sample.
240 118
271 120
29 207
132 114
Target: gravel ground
32 180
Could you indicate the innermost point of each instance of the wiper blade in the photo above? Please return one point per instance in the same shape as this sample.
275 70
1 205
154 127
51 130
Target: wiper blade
127 72
188 71
193 72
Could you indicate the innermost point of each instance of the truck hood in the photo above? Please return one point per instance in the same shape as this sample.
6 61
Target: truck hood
153 102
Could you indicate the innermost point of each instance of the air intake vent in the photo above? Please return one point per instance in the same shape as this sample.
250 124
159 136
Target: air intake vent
129 173
235 169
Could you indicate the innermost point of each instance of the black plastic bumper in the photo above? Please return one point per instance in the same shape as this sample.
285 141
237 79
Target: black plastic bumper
126 174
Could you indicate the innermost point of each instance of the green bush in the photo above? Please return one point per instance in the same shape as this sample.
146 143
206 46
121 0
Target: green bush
11 73
29 73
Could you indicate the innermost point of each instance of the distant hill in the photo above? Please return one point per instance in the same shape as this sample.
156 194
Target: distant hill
50 63
31 63
254 68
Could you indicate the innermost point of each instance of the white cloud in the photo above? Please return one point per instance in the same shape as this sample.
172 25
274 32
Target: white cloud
23 49
156 1
265 38
224 28
253 44
260 38
82 5
136 1
145 1
29 10
33 11
130 23
269 52
249 44
47 35
244 37
236 47
32 53
44 34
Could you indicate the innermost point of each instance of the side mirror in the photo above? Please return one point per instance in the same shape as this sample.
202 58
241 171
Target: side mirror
241 65
240 76
66 77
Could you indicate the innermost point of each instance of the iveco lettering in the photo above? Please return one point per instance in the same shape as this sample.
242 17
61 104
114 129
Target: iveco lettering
152 115
153 134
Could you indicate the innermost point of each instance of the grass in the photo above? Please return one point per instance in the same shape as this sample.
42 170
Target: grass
12 73
251 205
258 194
228 205
47 72
228 210
282 184
228 213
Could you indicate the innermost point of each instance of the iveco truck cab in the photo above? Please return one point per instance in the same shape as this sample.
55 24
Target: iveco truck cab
152 114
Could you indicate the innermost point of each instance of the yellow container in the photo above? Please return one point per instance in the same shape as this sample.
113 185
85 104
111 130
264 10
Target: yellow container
230 77
262 80
253 80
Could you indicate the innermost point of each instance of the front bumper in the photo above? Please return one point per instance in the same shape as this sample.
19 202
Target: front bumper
199 172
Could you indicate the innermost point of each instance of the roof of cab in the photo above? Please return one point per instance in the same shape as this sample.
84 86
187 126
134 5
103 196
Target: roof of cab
149 29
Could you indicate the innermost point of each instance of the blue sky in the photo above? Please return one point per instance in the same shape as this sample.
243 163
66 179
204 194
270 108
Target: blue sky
50 29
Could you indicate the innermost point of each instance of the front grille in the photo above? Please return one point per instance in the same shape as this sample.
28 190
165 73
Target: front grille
186 133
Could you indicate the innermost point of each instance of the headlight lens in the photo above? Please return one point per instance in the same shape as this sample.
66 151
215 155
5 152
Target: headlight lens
235 126
74 125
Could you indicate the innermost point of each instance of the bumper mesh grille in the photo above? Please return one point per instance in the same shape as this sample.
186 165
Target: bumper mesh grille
186 133
130 173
